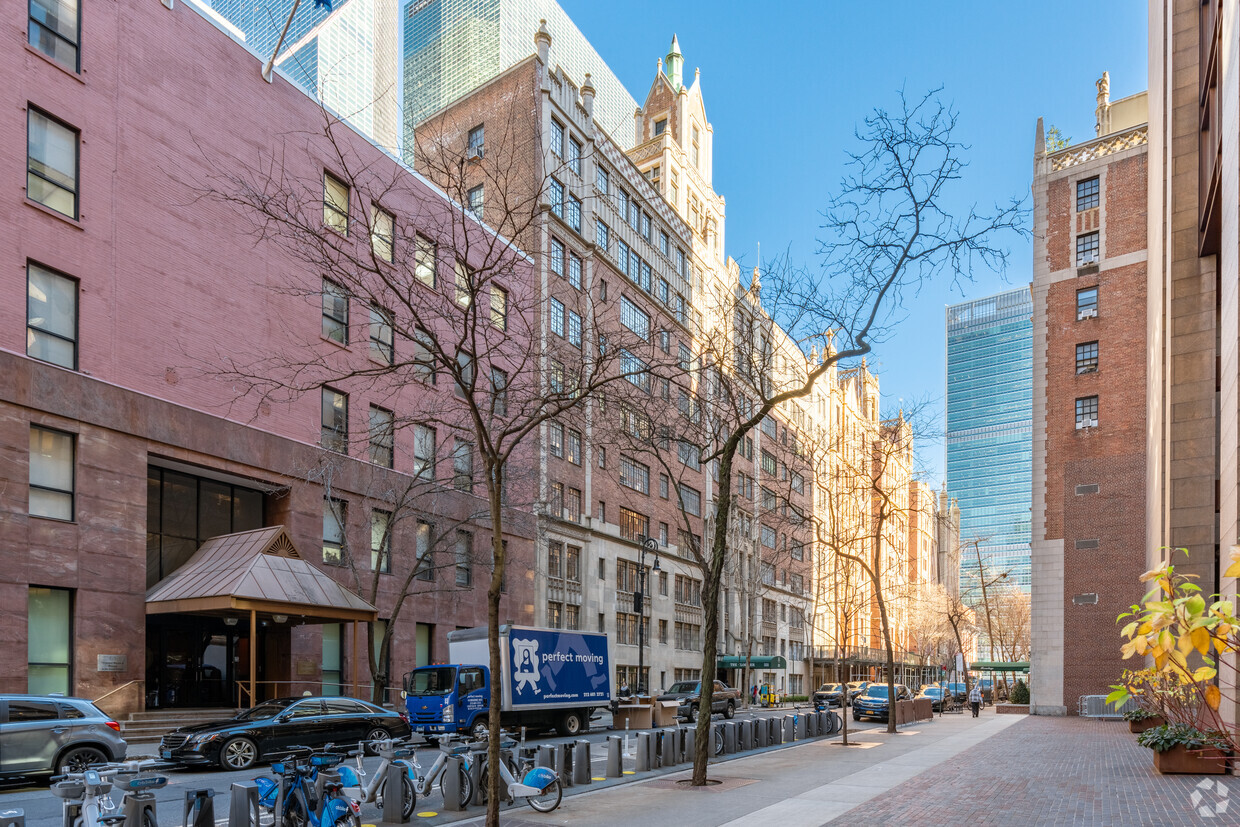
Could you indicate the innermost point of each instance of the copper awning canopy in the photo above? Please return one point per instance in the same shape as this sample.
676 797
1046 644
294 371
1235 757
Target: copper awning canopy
256 571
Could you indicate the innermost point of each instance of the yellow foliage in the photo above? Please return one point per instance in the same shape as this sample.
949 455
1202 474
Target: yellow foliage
1213 696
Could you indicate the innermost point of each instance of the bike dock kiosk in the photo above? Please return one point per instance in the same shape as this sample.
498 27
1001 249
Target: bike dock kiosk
199 808
242 805
452 784
394 794
13 817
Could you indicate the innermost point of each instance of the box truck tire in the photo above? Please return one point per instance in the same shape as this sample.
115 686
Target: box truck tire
571 723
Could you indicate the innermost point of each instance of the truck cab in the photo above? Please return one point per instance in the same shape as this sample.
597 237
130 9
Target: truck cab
447 698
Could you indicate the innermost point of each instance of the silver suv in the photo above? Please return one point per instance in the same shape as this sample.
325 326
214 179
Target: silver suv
44 733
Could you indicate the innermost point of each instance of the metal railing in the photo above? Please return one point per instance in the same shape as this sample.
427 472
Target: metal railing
1096 706
120 688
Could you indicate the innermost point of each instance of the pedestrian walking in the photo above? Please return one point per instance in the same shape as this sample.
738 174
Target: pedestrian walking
975 698
754 691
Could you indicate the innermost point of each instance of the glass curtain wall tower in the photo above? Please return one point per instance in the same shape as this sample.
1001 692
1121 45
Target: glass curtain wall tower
990 431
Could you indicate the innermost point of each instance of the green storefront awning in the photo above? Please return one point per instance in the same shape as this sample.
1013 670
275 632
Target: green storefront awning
999 666
755 662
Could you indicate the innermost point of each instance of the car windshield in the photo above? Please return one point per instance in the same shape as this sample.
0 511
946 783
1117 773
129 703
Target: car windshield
829 687
269 709
876 691
932 690
426 682
684 686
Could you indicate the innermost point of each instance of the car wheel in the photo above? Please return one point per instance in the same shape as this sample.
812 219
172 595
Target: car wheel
570 723
729 711
376 734
78 759
238 754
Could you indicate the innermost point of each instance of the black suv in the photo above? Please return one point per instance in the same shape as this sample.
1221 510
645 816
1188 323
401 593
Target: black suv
48 733
830 694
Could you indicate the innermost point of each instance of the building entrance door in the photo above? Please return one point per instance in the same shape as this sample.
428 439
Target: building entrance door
192 661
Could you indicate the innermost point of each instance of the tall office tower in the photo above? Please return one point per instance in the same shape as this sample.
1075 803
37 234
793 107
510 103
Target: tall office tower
451 47
262 20
989 371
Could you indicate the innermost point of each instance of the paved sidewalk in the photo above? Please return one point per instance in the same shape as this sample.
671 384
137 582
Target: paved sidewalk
806 784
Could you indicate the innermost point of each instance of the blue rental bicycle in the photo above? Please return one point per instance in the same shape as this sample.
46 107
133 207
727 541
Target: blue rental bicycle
300 797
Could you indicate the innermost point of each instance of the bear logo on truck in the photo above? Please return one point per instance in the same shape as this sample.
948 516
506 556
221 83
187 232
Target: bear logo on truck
525 656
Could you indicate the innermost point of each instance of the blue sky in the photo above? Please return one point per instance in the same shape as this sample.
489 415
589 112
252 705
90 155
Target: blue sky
786 83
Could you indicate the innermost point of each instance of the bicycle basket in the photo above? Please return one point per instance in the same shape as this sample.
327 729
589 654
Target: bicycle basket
348 777
326 759
540 778
69 789
278 768
147 782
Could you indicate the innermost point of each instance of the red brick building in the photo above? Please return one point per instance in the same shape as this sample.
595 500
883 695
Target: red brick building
1089 401
121 447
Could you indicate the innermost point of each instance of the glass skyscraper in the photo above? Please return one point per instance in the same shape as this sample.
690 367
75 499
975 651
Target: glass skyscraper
990 431
453 46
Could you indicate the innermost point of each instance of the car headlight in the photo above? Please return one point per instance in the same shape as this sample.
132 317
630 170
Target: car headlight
199 740
447 714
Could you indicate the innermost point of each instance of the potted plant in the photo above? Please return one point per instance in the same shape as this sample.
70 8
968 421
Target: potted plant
1180 748
1139 720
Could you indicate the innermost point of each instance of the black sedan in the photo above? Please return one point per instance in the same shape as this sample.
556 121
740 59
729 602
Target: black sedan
274 726
829 694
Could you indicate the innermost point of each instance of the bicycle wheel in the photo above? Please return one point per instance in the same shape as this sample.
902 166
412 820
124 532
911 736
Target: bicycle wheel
410 798
549 800
467 786
349 819
484 782
294 812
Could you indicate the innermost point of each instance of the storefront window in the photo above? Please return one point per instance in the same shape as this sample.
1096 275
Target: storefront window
48 630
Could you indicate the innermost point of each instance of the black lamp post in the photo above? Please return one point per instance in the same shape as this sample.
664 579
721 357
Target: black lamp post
649 544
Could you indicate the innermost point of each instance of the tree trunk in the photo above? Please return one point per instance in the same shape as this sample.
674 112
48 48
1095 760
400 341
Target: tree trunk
494 486
710 608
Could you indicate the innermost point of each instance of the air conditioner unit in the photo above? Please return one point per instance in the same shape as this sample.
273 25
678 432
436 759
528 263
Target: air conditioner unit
1087 313
1086 423
474 153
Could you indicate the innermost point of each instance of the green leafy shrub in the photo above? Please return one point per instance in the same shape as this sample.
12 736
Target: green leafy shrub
1163 738
1139 714
1020 693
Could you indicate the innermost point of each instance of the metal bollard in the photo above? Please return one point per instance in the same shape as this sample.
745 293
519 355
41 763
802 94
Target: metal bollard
789 729
546 756
13 817
776 731
713 743
759 733
199 808
615 762
824 722
811 724
564 764
690 743
242 803
747 729
669 747
652 750
643 752
451 786
729 737
802 726
394 795
582 768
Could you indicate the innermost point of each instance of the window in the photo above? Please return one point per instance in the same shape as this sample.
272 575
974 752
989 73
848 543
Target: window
572 446
381 437
1087 194
688 590
645 226
464 288
574 329
554 609
688 636
464 559
635 475
473 201
660 126
690 455
51 316
335 312
423 356
797 483
663 529
768 499
555 553
555 439
574 212
769 465
626 631
465 372
499 392
767 536
557 138
381 345
634 527
574 155
691 500
335 204
602 235
334 427
499 307
602 290
425 560
634 370
557 257
622 257
572 505
769 427
664 486
477 141
424 452
556 313
602 180
1086 303
622 202
51 163
796 582
463 465
382 233
572 565
381 541
1087 412
555 196
574 271
694 152
684 356
634 318
1087 357
602 461
663 241
51 474
424 260
1086 249
49 645
334 520
626 575
54 31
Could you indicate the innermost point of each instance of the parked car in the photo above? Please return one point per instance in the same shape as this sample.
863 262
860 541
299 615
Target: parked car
723 698
241 742
831 694
50 734
959 693
875 703
855 688
935 694
988 690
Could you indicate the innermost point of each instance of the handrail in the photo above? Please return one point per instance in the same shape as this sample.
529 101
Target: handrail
112 692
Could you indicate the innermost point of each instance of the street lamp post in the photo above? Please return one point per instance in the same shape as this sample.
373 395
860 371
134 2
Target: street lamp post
649 544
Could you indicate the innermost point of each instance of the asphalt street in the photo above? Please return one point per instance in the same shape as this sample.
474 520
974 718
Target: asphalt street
42 809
